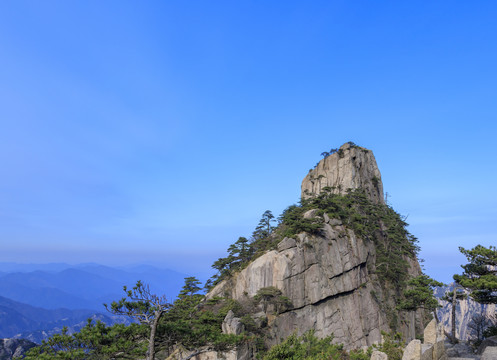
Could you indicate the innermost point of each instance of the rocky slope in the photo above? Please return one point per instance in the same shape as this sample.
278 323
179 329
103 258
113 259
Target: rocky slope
10 348
331 278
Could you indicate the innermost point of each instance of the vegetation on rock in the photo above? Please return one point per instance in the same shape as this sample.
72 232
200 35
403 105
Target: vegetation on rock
375 222
95 341
306 347
420 294
480 279
310 347
197 329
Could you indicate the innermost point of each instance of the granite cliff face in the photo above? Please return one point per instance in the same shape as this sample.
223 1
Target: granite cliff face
350 167
330 277
326 280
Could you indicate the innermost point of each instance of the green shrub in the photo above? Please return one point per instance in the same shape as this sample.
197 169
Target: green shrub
306 347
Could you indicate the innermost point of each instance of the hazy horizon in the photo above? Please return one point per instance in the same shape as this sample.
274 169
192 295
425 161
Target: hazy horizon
161 131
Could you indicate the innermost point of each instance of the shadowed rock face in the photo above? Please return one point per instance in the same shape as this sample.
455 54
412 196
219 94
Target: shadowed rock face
351 167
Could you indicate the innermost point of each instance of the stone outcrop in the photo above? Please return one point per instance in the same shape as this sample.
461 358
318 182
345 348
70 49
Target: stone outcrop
326 281
431 334
488 342
412 351
330 277
351 167
432 348
10 348
490 353
232 324
378 355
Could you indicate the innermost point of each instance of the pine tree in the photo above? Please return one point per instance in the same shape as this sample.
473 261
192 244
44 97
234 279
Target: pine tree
143 306
480 274
420 294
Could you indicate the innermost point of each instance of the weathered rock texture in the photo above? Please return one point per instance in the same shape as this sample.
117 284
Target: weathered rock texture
378 355
326 280
432 348
466 309
329 278
351 167
490 353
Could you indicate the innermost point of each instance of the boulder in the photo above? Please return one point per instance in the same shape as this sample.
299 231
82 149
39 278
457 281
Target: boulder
412 351
378 355
430 333
490 353
232 324
491 341
427 352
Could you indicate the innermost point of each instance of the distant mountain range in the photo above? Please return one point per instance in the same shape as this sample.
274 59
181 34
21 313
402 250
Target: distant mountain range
18 320
85 286
36 301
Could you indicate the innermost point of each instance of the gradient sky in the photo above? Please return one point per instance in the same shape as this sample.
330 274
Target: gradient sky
160 131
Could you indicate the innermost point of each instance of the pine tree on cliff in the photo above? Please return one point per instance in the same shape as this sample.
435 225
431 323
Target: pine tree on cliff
141 304
480 274
479 277
260 236
265 226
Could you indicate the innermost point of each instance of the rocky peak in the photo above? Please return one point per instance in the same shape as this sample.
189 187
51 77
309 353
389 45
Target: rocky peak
350 167
342 278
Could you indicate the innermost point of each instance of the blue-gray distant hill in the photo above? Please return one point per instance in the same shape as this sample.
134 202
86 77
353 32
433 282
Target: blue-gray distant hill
85 286
36 301
18 320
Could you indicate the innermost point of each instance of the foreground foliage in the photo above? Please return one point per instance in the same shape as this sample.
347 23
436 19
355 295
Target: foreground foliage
306 347
309 347
480 274
145 307
95 341
162 327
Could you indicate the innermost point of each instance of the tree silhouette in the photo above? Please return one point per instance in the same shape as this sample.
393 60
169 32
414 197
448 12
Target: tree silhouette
143 306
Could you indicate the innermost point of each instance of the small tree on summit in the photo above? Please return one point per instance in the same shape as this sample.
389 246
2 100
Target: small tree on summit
143 306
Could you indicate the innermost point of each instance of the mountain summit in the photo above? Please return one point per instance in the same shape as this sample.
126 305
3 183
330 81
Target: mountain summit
348 168
337 264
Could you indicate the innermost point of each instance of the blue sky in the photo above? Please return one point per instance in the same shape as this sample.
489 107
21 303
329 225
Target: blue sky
161 131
